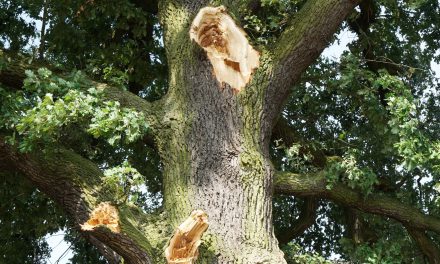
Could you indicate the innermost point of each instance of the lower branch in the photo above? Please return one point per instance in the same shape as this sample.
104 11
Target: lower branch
429 249
304 221
315 185
75 184
109 254
12 76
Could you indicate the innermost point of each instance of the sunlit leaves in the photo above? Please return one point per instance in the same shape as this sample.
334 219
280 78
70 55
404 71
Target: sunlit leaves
125 181
44 122
413 146
297 161
351 173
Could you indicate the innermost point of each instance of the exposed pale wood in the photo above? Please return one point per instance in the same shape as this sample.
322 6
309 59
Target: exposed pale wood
227 47
104 214
183 247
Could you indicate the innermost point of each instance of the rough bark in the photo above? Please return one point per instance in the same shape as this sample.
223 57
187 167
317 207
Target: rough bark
211 153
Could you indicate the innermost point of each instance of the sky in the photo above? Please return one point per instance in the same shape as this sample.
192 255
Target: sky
61 252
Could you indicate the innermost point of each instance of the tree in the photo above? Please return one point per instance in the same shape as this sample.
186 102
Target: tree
277 146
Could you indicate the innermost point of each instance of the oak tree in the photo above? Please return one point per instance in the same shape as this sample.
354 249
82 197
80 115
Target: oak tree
216 132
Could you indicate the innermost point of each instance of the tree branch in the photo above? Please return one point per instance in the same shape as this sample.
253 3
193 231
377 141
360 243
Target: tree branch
304 221
307 35
13 75
75 184
304 185
111 256
429 249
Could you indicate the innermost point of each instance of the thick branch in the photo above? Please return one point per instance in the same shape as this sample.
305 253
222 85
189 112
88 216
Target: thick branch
429 249
111 256
309 32
315 185
75 184
305 220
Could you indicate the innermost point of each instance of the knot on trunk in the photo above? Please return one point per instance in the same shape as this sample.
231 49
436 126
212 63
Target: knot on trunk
104 214
183 247
226 45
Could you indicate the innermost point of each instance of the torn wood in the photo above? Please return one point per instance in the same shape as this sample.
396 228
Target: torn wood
104 214
227 47
183 247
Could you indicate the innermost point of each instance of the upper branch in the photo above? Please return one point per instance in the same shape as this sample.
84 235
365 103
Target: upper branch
13 75
315 185
307 35
75 184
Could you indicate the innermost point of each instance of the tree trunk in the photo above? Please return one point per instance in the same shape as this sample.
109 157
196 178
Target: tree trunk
214 154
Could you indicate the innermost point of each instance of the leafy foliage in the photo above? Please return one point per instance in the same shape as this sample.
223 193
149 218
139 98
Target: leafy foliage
124 180
44 121
354 176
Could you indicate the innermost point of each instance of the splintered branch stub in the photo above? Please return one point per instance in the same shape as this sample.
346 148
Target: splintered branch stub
226 45
183 247
104 214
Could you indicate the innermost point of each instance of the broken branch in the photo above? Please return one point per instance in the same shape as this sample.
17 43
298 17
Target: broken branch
183 247
226 45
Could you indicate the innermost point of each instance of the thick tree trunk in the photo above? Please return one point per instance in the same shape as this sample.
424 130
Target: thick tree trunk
213 157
